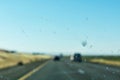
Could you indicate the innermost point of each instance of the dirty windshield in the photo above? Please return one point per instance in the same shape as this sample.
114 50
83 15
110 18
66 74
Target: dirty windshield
59 39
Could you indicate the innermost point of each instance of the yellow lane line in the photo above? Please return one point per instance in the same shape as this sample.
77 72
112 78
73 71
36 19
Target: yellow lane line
32 72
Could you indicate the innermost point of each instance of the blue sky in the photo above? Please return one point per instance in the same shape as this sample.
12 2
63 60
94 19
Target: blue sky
60 25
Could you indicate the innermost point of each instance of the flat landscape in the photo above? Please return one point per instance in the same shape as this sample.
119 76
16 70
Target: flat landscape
12 59
61 70
108 60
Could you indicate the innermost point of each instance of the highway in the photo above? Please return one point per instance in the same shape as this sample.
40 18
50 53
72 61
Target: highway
66 70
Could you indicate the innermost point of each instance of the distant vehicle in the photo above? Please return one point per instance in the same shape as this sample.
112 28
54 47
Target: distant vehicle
76 57
56 58
61 55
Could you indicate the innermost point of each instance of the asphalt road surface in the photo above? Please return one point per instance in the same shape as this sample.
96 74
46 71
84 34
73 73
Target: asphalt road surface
63 70
66 70
14 73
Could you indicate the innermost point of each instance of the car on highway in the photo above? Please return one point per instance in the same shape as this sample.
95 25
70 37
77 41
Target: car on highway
76 57
56 58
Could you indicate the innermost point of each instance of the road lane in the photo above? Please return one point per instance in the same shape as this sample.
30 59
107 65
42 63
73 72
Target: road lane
65 70
33 71
14 73
62 70
51 71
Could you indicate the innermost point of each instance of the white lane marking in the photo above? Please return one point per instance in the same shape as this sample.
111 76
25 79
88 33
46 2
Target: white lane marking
69 77
81 71
104 76
69 72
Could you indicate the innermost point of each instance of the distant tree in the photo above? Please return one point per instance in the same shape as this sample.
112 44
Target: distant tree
35 53
12 51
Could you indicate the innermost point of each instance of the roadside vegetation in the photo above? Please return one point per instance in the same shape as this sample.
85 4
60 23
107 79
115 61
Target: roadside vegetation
109 60
10 59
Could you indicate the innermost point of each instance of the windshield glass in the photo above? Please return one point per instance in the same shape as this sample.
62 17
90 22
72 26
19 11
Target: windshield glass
39 39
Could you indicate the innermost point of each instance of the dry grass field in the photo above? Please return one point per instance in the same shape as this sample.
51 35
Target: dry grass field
9 59
109 60
104 61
